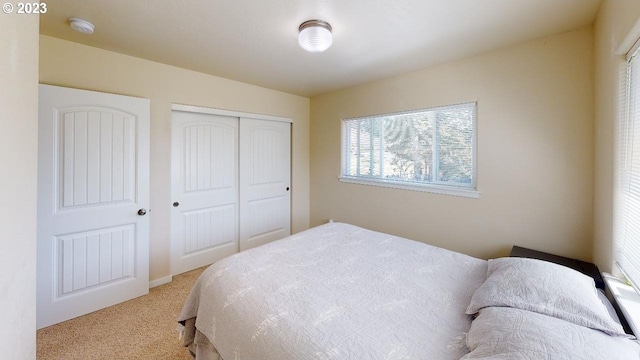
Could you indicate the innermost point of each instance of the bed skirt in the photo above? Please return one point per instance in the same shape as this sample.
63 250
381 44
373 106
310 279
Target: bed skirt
199 346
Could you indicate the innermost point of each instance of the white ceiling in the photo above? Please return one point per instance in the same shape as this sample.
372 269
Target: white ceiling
255 41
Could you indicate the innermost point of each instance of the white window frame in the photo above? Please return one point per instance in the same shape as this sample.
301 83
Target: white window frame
623 172
437 187
625 292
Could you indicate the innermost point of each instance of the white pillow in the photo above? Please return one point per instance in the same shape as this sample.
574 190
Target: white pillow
514 334
545 288
609 306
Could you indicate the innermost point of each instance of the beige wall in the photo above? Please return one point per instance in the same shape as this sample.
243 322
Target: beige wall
614 21
535 151
18 157
70 64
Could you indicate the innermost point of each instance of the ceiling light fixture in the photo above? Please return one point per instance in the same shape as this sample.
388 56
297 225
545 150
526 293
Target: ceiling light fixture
315 35
81 25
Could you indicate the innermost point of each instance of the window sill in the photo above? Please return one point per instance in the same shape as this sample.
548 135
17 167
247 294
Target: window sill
436 189
627 300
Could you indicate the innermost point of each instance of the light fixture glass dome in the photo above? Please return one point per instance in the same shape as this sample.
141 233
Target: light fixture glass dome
315 35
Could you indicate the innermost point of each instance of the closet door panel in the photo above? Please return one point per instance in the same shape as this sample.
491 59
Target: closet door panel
265 181
204 186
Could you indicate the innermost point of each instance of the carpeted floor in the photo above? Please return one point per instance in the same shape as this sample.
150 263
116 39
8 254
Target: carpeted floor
142 328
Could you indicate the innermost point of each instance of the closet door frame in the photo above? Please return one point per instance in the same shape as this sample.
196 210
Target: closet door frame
232 113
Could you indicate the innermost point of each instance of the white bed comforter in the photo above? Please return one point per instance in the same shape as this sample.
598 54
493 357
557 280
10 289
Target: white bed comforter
512 334
337 292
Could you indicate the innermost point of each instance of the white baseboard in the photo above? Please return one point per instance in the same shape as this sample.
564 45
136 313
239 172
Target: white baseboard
161 281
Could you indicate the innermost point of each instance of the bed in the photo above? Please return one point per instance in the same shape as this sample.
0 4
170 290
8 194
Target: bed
338 291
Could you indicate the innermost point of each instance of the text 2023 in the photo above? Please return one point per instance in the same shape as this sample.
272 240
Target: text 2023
31 8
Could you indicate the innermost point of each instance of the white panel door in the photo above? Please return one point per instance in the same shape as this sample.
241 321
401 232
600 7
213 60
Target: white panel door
265 181
93 192
204 189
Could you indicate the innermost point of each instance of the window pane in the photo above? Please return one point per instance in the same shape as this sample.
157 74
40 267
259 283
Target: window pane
363 143
455 137
627 201
408 149
352 148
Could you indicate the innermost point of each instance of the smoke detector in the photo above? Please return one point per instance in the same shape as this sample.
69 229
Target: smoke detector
81 25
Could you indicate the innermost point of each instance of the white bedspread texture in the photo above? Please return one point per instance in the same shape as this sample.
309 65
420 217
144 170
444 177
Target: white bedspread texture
338 292
545 288
515 334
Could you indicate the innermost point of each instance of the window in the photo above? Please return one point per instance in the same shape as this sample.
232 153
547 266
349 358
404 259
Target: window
627 166
428 150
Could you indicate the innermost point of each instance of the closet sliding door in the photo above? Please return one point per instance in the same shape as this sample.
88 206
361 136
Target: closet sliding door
265 173
204 187
230 184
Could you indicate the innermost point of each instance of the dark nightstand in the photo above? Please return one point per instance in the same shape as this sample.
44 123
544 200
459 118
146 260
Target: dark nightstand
584 267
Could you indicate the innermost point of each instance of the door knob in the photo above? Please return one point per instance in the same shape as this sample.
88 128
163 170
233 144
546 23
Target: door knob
176 204
142 212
